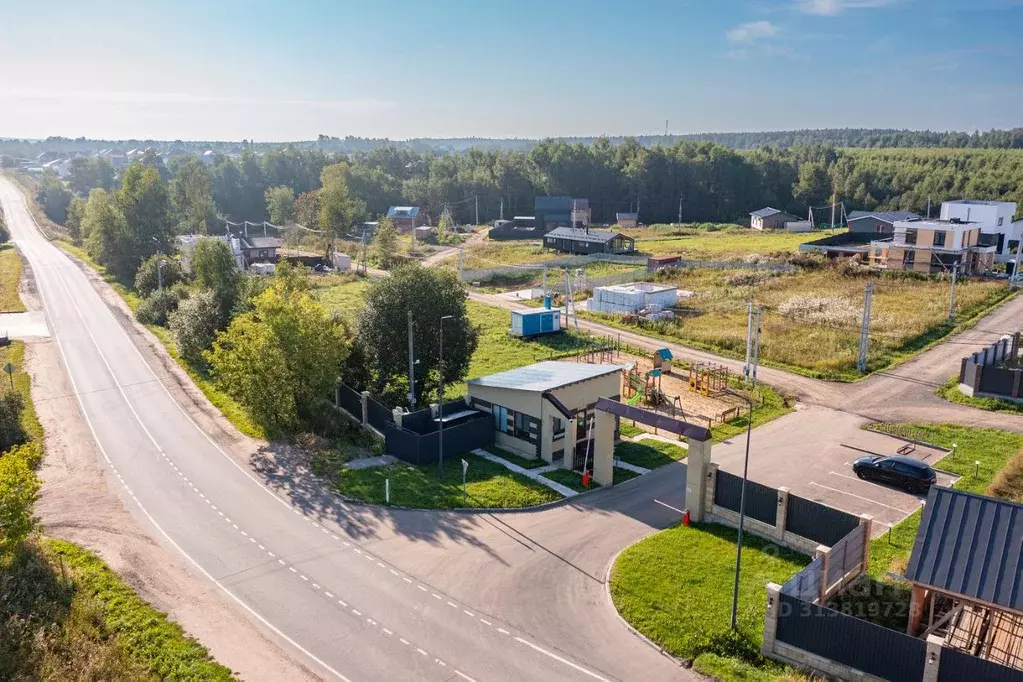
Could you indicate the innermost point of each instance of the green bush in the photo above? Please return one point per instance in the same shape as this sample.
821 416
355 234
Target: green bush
195 324
11 430
19 490
158 306
147 278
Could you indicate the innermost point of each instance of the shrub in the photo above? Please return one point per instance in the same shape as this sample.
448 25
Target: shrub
849 267
808 261
5 236
19 490
195 324
158 306
11 431
147 278
749 278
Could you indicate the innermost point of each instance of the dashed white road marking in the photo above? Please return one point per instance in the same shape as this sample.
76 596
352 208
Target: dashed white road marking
422 588
464 676
356 612
421 651
469 613
485 622
403 641
561 660
341 602
452 604
386 631
503 631
292 569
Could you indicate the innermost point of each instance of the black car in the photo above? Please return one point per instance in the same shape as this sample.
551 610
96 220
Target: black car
904 472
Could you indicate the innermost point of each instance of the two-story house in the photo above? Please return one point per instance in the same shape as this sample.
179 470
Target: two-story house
933 246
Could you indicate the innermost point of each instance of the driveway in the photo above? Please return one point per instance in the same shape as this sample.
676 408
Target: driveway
810 451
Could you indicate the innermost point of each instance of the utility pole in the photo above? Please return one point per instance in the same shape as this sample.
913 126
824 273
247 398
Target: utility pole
928 208
477 198
679 209
952 293
756 345
571 298
749 339
544 279
832 209
502 208
868 296
1015 267
411 366
461 264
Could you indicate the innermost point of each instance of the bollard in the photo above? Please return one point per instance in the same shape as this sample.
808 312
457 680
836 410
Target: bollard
889 533
387 490
976 468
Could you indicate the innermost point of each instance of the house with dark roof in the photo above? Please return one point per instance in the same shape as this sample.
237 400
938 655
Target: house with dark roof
627 220
586 241
405 218
967 575
259 249
877 222
770 219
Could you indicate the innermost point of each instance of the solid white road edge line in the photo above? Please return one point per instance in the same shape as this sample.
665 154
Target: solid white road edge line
562 660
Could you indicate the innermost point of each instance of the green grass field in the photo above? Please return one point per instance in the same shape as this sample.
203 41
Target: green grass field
650 453
489 485
676 588
10 275
731 244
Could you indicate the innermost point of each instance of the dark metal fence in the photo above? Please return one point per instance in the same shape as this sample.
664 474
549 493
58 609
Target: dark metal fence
818 522
761 500
416 448
859 644
378 415
956 666
806 584
350 400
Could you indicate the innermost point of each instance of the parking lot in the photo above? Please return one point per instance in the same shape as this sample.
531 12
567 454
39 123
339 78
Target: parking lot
811 452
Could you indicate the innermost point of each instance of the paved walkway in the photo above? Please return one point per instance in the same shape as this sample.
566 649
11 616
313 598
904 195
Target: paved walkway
368 462
30 325
653 436
632 467
535 474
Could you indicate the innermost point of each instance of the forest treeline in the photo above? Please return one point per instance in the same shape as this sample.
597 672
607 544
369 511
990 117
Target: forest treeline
707 181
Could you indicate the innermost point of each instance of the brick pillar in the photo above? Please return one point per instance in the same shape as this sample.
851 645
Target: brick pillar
962 369
917 602
603 448
933 661
1014 353
771 618
365 408
867 523
782 515
1016 374
397 413
698 463
976 378
712 486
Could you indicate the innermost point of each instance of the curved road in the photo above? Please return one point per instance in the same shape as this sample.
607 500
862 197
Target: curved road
362 593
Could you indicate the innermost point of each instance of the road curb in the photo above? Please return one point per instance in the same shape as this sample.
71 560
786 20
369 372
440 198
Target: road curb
682 663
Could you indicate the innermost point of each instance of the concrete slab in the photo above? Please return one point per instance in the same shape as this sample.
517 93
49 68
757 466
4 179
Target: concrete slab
811 451
29 325
369 462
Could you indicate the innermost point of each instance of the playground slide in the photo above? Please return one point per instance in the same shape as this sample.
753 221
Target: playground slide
634 400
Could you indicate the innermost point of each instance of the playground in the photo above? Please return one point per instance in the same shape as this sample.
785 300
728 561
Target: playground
694 393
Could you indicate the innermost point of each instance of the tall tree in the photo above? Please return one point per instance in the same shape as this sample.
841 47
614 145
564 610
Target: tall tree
339 209
215 269
192 190
110 241
145 205
280 205
53 197
429 294
385 243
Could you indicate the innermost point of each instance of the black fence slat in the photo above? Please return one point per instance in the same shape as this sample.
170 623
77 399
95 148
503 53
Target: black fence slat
416 448
351 401
761 500
818 522
859 644
727 490
956 666
378 415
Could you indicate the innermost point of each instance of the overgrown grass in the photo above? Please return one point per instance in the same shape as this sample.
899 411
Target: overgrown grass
676 588
730 244
811 318
950 392
489 485
649 453
10 275
15 354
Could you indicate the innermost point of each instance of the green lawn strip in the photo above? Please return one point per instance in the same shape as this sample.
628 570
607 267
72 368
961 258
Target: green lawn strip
523 462
15 354
130 297
151 641
733 670
228 406
649 453
950 392
10 275
570 479
489 485
629 431
676 588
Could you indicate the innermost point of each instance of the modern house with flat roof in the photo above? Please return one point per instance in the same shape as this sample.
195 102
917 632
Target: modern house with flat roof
587 241
932 247
994 219
546 410
770 219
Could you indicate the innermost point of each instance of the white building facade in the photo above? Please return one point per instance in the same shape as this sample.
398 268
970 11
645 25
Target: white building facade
994 219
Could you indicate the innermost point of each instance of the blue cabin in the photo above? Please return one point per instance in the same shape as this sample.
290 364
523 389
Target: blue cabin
527 323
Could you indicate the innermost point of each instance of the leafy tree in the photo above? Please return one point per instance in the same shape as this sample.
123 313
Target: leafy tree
385 243
11 431
145 204
110 241
429 294
157 307
282 360
339 209
75 215
194 325
192 191
813 187
53 197
87 174
147 278
214 268
307 209
280 204
19 490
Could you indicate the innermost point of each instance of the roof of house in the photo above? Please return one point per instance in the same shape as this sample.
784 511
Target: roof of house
531 312
545 376
886 216
970 545
261 242
978 202
627 216
575 234
767 212
403 212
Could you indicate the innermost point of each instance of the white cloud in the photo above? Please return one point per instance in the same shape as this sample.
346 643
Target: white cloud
752 32
830 8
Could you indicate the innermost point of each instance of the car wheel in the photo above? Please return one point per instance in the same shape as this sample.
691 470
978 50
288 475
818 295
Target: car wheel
862 475
914 488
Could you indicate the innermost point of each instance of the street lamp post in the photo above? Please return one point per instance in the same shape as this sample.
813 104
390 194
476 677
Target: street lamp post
159 273
440 407
742 507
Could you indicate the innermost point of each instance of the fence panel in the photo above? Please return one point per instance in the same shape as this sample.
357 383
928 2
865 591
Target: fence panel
379 416
818 522
846 555
956 665
401 444
459 439
727 490
761 500
859 644
350 400
806 584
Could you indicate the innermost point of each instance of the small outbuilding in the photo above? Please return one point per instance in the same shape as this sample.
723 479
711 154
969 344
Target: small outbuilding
586 241
770 219
627 220
632 298
535 322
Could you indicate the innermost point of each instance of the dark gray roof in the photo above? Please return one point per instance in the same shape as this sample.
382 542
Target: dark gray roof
261 243
766 212
545 376
578 235
886 216
970 545
627 216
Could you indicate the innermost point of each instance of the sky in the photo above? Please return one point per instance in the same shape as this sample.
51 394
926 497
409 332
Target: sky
275 70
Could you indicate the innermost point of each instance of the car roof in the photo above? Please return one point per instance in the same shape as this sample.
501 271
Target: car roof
910 461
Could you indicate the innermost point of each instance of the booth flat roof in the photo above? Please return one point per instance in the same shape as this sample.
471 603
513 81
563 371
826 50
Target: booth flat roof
634 287
536 311
545 376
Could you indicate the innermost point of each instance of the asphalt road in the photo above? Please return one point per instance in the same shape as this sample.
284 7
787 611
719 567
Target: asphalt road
357 605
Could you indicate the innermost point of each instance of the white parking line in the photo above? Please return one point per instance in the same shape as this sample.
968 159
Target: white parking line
858 497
